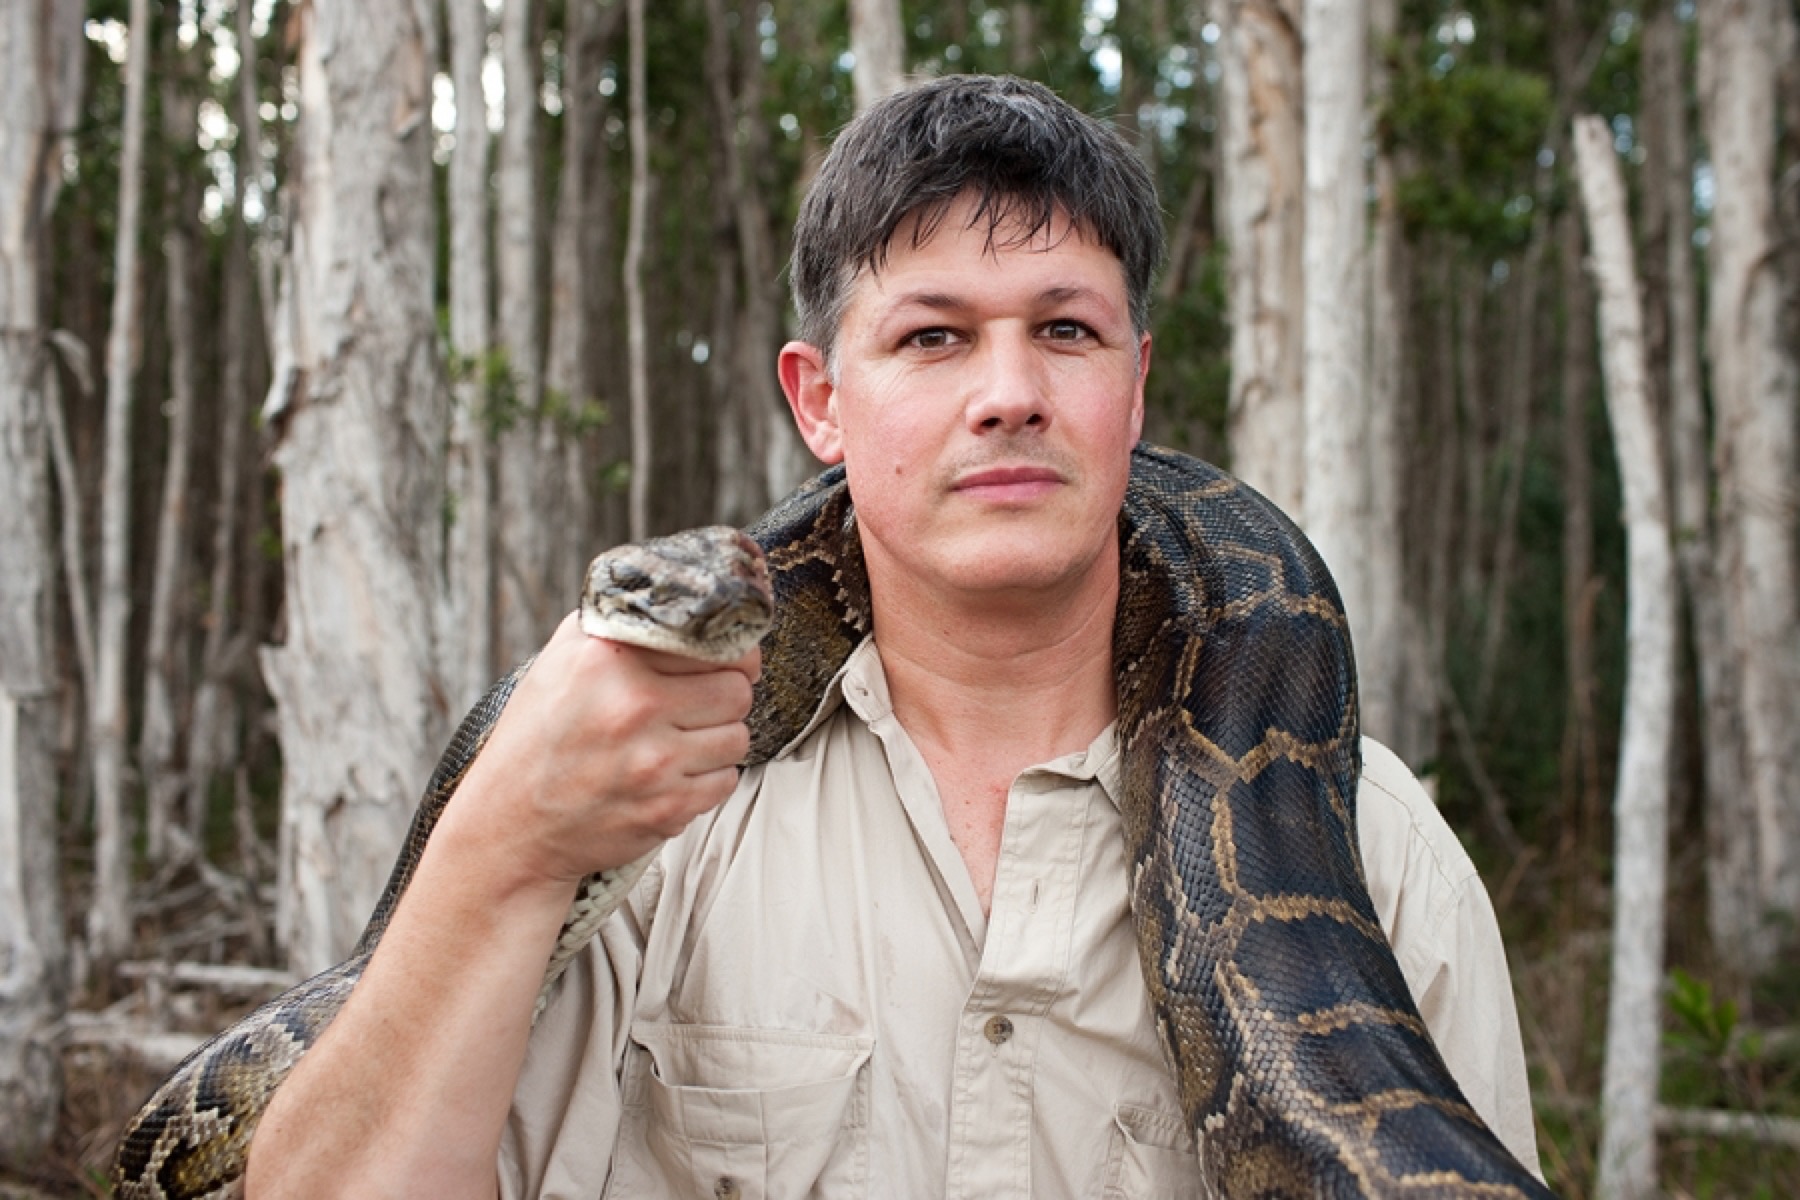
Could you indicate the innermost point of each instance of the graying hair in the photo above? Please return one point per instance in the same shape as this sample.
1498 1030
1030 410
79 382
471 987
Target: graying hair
1025 154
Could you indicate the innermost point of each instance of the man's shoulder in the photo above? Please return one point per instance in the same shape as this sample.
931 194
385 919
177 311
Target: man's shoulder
1411 855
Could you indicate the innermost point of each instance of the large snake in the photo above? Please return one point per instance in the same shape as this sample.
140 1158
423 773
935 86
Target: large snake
1303 1066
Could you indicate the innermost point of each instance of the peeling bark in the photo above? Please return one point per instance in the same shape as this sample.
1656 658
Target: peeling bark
36 78
363 709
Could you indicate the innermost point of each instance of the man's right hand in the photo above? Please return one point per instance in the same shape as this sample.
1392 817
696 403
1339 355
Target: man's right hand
604 752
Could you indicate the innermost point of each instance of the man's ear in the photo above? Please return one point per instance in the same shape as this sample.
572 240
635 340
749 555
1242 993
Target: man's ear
813 398
1143 376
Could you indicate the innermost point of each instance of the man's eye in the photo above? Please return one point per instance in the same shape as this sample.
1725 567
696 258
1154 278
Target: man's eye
1066 331
929 339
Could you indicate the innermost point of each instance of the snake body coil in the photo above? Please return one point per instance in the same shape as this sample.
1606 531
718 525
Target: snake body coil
1302 1063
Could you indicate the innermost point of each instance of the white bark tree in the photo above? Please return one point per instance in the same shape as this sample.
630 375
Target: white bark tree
469 647
637 349
1335 406
583 291
163 783
752 445
1391 624
1754 392
528 602
361 436
109 913
878 50
1633 1033
1731 832
41 51
213 747
1262 189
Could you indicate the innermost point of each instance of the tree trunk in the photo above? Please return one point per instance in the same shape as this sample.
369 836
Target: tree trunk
636 333
212 744
164 658
361 451
222 692
1335 424
582 289
109 913
1436 478
1669 193
1261 184
1754 396
1633 1035
36 51
1581 753
748 451
250 160
1515 440
1391 625
528 601
878 48
470 662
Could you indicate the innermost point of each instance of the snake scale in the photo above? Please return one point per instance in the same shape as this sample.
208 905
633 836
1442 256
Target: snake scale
1302 1064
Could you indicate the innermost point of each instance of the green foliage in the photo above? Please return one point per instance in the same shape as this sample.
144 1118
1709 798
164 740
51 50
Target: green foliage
575 416
1713 1059
615 477
498 403
1190 377
1707 1023
1472 133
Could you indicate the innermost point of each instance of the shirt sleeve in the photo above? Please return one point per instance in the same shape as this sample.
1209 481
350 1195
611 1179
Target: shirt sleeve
1447 938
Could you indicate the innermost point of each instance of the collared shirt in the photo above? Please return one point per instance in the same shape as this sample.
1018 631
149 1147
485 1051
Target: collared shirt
803 996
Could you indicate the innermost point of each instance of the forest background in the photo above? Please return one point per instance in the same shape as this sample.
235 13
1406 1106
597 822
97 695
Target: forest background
336 336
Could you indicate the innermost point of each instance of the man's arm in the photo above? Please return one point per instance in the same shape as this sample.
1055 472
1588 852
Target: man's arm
603 752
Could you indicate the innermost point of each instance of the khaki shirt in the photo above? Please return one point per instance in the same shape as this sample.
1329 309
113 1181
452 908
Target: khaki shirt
803 997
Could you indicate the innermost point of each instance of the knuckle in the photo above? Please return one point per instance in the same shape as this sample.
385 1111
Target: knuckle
647 767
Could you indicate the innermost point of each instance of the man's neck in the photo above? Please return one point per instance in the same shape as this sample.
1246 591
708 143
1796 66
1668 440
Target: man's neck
1018 679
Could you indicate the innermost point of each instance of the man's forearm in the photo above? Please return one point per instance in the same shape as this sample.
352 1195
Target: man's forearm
408 1090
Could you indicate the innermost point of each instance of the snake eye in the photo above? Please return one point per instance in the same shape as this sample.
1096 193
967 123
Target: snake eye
629 577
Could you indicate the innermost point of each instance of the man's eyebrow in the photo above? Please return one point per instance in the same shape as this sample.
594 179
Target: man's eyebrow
1068 292
939 301
951 302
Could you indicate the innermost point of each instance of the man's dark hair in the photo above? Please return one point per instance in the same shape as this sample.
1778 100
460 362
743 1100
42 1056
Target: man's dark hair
1023 152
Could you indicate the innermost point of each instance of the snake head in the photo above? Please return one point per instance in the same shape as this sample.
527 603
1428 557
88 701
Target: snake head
703 593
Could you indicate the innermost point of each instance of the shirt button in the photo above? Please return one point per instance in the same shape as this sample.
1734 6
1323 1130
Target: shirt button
998 1029
726 1188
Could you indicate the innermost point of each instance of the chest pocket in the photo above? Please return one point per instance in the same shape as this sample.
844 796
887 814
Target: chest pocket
1152 1157
726 1113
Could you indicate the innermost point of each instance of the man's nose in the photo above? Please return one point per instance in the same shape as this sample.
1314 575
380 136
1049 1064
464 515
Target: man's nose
1011 392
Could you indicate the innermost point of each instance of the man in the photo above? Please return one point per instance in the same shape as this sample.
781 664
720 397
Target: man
897 959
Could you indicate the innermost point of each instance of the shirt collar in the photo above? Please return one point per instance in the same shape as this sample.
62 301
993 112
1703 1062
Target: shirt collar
861 686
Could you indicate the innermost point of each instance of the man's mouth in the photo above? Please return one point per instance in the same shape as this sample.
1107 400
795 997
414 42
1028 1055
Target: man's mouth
1006 484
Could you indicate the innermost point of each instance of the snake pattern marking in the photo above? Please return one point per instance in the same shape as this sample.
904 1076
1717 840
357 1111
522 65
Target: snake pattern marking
1302 1064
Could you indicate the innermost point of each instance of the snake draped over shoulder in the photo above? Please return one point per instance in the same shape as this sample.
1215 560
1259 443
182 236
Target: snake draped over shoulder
1302 1063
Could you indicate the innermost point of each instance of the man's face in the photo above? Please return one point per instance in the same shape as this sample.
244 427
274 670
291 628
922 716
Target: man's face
985 402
